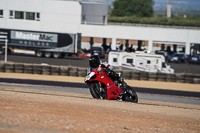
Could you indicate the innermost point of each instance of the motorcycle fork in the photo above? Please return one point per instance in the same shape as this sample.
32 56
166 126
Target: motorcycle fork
101 89
100 84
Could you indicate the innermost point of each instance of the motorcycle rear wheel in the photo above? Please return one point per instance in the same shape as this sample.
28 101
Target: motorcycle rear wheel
95 91
131 95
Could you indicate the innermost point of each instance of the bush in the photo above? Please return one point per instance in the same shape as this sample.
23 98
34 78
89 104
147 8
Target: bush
174 21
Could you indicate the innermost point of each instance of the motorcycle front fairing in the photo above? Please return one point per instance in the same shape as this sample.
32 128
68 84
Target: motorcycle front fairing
98 74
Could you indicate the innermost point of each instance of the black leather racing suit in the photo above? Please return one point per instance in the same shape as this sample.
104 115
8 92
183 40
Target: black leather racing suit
113 75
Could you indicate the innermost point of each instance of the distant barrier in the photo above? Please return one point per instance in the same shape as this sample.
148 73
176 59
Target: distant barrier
81 72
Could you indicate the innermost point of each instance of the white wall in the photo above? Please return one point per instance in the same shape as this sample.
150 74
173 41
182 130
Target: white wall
55 15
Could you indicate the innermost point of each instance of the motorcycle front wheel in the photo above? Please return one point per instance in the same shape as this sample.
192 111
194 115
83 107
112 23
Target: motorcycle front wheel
96 92
130 96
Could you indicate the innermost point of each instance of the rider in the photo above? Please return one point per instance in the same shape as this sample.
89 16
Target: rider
94 62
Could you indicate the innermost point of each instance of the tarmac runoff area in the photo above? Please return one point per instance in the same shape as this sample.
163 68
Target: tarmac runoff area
134 83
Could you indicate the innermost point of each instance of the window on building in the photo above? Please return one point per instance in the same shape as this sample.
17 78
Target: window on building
30 15
83 19
129 60
19 15
37 16
104 20
114 59
164 65
11 14
24 15
1 13
157 61
148 62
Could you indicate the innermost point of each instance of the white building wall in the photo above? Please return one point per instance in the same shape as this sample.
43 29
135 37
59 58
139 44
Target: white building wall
141 33
55 15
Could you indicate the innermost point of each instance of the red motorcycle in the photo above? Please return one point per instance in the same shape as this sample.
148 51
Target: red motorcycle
103 87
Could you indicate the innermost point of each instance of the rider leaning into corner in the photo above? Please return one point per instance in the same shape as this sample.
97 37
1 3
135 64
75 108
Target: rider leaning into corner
94 62
128 93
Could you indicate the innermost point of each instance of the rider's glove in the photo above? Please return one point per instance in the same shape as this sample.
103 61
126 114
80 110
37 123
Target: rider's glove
106 69
111 67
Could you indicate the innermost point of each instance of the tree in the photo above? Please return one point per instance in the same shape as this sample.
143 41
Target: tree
140 8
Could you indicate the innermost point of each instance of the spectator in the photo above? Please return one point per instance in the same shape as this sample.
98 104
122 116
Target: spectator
105 47
121 47
130 49
117 49
108 48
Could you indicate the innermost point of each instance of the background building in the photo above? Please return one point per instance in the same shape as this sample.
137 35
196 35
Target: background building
89 19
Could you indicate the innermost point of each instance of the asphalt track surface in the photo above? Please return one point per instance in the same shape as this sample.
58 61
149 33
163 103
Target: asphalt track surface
83 62
143 93
83 86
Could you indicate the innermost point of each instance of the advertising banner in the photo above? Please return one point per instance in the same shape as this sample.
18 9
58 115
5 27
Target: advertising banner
34 39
